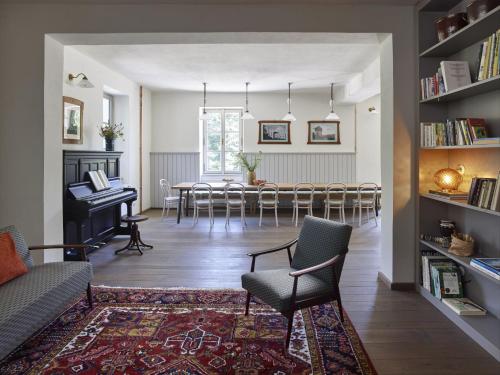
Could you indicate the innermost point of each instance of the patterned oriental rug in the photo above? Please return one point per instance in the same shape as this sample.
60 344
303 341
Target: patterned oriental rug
188 331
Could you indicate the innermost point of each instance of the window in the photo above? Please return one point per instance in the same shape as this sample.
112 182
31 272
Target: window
222 141
107 109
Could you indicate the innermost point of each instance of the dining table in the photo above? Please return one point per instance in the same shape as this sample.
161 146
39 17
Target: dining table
284 188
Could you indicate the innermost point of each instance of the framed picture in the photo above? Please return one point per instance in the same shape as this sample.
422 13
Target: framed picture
323 132
274 132
72 120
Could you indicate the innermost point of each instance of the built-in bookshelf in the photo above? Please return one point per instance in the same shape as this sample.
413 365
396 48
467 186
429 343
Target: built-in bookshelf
480 99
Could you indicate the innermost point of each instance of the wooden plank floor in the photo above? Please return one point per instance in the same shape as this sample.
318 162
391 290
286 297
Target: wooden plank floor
402 332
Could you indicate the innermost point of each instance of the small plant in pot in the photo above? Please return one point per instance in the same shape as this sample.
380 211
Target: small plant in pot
249 165
110 132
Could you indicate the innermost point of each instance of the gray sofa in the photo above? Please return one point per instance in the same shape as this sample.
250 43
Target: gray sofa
29 302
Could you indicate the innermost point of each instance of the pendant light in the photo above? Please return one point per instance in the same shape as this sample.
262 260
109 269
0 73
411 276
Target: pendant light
332 116
204 115
247 115
289 116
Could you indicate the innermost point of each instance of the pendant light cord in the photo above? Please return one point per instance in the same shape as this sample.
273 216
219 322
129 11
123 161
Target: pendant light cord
246 96
289 97
331 97
204 97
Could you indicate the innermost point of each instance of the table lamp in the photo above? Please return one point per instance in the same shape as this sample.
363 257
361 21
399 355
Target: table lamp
449 179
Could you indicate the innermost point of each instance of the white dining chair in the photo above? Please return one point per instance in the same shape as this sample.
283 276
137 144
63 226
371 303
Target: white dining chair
169 200
202 200
234 194
303 198
268 200
366 198
335 199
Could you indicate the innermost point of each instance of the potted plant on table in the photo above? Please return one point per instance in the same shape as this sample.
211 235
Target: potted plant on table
110 132
249 165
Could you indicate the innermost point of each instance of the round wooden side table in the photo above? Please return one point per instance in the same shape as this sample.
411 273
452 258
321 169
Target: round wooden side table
135 242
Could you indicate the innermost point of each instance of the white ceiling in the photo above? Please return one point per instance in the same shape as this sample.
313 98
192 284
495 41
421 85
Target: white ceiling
226 67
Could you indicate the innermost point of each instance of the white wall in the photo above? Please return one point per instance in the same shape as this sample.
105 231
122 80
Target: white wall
125 111
25 156
146 147
368 166
176 127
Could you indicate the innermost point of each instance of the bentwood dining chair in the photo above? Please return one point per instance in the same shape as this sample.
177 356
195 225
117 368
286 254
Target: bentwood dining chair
234 193
303 198
202 200
335 199
313 275
366 198
169 200
268 199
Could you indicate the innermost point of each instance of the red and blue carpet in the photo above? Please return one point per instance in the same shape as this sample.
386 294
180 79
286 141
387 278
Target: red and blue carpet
188 331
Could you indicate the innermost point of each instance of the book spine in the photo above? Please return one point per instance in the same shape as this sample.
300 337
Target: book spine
473 185
495 203
483 59
485 270
497 56
492 55
487 59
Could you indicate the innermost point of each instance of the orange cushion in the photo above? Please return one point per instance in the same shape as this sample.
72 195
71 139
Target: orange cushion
11 264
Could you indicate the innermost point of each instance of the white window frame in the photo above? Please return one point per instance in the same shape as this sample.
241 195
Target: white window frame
111 106
223 146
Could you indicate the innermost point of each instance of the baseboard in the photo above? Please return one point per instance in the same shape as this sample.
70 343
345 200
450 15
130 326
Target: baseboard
395 286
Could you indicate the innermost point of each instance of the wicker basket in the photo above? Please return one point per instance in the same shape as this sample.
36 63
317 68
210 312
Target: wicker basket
462 245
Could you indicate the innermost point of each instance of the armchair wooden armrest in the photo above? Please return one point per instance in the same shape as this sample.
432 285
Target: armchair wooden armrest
286 246
328 263
80 247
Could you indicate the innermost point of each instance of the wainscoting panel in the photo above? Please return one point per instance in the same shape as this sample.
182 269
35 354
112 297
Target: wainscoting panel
176 167
276 167
307 167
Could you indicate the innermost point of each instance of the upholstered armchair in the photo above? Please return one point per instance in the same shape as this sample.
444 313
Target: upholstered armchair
314 272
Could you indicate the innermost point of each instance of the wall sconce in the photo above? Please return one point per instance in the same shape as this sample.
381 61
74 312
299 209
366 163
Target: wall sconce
82 82
373 111
449 179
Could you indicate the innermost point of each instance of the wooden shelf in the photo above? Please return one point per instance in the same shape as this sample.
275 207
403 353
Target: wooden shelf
460 147
480 328
440 6
470 34
463 261
476 88
461 203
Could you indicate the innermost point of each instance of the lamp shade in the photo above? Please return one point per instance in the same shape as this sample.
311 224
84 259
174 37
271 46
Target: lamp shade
85 83
289 117
247 116
448 179
79 80
204 116
332 116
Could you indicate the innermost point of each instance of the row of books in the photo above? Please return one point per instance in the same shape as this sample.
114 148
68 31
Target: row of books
489 57
449 76
459 132
489 266
442 278
485 193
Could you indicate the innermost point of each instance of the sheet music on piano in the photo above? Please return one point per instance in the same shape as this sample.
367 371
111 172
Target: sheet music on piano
99 180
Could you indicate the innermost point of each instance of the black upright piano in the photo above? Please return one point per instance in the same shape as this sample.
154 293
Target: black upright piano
90 216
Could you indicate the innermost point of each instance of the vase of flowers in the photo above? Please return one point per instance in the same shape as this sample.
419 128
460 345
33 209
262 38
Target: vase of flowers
249 165
110 132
